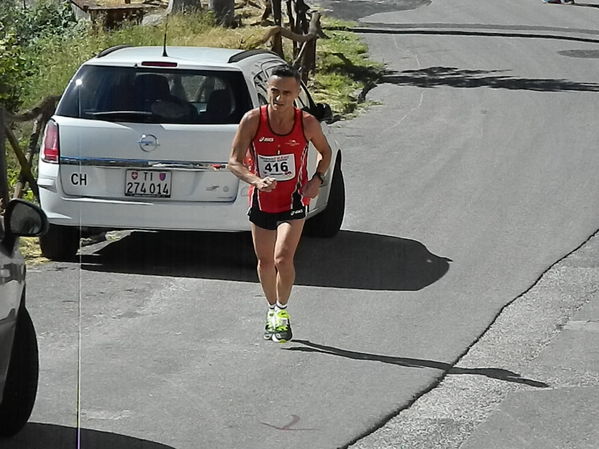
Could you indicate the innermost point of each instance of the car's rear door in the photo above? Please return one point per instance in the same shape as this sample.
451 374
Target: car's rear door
129 133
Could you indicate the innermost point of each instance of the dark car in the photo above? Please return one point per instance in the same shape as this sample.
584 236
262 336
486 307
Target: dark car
18 343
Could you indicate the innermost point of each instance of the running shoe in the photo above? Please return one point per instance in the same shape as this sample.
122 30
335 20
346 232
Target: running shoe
282 332
269 328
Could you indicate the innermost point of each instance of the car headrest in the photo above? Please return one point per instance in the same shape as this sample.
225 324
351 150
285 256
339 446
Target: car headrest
219 104
152 87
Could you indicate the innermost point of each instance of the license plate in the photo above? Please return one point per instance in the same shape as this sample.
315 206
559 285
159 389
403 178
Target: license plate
148 183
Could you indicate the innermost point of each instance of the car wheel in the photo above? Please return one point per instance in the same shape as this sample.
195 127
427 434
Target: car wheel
60 242
328 222
22 377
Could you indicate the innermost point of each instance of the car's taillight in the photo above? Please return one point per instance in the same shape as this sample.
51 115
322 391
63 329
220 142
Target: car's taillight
158 64
51 148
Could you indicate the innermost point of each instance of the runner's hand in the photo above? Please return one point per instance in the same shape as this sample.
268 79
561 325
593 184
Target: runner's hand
266 184
311 188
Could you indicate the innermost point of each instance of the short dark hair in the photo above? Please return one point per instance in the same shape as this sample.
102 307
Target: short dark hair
286 71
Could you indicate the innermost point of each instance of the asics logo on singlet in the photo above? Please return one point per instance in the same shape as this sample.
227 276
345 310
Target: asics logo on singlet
266 139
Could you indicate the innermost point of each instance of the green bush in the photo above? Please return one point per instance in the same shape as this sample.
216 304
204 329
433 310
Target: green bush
13 68
46 17
20 30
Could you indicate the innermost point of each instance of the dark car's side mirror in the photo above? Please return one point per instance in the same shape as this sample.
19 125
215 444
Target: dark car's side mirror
322 112
23 219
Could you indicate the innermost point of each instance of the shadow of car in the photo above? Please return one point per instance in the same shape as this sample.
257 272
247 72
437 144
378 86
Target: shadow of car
19 365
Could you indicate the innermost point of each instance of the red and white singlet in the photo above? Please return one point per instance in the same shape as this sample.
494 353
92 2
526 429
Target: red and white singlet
282 157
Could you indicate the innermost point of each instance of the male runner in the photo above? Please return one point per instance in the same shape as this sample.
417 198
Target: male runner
270 151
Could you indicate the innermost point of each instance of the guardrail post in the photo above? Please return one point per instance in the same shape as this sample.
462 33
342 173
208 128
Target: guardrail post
23 162
32 151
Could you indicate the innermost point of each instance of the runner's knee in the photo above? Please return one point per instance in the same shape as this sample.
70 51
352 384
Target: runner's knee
266 263
283 261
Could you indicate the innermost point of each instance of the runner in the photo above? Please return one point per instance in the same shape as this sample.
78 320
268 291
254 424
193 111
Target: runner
270 153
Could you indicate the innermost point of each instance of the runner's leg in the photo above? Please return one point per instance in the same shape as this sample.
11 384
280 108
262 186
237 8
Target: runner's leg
288 237
264 246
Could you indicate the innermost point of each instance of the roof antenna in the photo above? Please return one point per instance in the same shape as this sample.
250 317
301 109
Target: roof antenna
168 13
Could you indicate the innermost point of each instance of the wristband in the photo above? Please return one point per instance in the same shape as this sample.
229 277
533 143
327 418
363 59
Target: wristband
319 176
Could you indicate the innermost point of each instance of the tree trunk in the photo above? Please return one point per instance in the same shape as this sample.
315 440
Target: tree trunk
309 56
277 42
291 24
224 10
181 6
3 172
267 12
302 22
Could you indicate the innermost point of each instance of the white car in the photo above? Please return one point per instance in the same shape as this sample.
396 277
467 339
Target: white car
141 138
19 366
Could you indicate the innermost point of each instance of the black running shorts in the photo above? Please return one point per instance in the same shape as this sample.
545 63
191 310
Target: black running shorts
271 221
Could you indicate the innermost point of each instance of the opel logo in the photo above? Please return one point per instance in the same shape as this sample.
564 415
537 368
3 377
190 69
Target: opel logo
148 142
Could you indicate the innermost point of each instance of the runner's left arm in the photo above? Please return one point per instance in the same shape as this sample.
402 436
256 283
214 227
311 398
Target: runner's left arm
315 135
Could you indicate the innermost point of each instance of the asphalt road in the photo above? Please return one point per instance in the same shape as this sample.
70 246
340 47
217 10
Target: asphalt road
474 173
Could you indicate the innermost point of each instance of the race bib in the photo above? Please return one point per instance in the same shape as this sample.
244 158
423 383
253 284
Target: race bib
280 167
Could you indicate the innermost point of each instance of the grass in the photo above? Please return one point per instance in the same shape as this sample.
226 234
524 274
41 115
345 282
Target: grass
343 69
30 249
344 72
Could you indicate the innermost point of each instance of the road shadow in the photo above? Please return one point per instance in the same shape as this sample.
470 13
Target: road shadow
354 260
356 9
434 30
585 5
493 373
495 79
51 436
475 29
587 54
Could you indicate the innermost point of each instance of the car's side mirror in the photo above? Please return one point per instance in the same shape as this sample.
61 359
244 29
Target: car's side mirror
25 219
322 112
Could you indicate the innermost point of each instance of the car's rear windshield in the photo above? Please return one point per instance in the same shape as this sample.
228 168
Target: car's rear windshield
141 95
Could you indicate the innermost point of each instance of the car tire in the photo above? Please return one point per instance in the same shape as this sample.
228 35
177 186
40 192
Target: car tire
328 222
22 378
60 242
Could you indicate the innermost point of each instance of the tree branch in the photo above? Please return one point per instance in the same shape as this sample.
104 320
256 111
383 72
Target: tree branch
314 31
48 104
